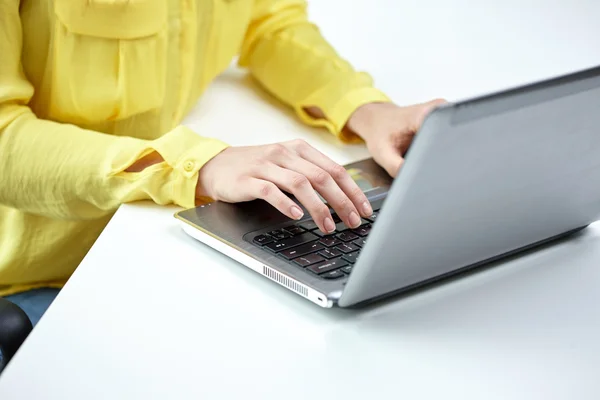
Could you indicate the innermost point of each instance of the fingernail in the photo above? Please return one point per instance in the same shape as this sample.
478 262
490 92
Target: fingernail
367 209
354 220
329 225
297 212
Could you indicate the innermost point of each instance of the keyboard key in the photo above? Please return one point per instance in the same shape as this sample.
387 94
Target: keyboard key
373 217
302 250
279 234
333 274
363 230
360 242
347 269
261 240
330 241
319 233
351 257
336 218
276 246
330 253
308 225
294 230
347 236
327 266
291 242
340 227
309 259
346 248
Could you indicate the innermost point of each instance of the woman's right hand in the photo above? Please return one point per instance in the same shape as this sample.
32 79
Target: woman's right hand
240 174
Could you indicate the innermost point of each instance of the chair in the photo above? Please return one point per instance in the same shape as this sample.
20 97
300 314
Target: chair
14 328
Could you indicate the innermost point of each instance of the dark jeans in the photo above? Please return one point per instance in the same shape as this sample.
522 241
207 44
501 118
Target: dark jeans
14 326
34 302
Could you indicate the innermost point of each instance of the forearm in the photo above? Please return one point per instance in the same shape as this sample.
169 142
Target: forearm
62 171
288 55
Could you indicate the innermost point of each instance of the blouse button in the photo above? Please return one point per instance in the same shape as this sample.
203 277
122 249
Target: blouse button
188 166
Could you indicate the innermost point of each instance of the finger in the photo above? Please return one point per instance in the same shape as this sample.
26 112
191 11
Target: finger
389 158
339 175
323 183
269 192
300 186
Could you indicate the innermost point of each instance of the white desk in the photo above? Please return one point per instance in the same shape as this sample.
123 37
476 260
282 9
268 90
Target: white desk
170 318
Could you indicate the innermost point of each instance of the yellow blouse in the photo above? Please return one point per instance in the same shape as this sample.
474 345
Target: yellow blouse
88 87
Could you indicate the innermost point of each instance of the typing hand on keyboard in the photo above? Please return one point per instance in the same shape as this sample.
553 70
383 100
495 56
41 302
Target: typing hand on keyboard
265 172
331 256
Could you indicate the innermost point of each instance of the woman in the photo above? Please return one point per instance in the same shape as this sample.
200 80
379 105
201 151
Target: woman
91 95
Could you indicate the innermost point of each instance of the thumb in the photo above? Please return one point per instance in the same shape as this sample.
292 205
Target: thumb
389 158
423 110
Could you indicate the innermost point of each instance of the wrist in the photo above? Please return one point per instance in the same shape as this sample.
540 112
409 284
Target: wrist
206 177
202 186
364 118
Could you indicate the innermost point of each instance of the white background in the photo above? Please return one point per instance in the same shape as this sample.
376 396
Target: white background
421 49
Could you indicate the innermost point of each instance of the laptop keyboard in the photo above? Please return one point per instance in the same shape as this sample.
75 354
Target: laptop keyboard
328 256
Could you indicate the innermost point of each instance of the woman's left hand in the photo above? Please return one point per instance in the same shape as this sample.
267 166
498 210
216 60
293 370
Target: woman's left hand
388 130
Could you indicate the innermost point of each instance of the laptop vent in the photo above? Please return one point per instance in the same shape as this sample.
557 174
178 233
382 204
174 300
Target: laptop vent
285 281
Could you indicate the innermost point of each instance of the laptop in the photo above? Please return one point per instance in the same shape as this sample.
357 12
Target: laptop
484 179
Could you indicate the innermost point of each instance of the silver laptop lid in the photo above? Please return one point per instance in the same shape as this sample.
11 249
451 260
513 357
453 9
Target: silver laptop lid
483 178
